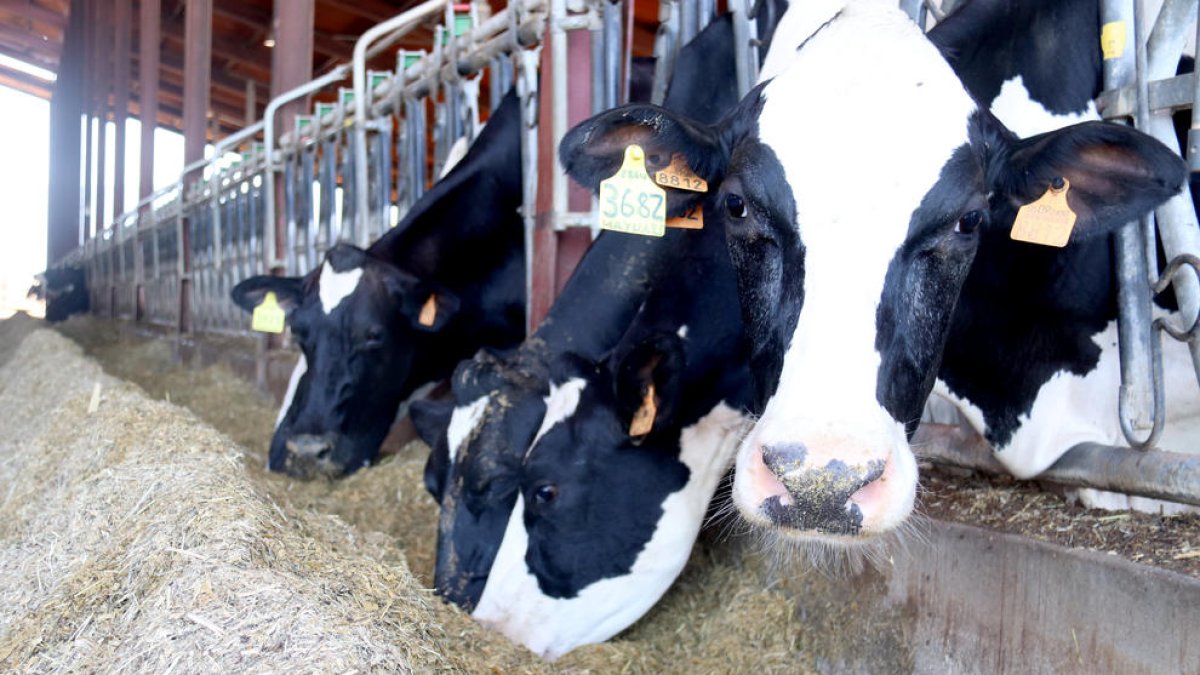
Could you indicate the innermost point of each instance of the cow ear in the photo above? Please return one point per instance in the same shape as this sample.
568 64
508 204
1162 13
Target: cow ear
646 383
1115 173
250 292
595 149
431 418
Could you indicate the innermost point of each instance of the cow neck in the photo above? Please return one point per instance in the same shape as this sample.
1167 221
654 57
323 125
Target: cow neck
605 291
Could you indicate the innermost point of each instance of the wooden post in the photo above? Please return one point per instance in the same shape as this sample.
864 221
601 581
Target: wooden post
102 54
122 29
63 232
291 66
197 67
150 43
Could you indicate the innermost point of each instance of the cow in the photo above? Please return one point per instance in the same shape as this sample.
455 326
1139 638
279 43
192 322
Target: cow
606 511
65 291
375 325
1037 66
481 441
857 182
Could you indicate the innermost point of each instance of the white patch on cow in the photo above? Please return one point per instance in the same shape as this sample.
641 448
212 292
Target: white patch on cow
561 403
457 152
293 382
334 287
463 421
892 114
513 604
1026 117
1070 409
682 332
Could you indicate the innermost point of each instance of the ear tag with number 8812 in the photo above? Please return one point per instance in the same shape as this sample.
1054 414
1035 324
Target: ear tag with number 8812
630 201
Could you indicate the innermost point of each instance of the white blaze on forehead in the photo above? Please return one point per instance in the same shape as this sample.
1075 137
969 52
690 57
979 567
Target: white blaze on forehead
513 604
334 287
561 403
1026 117
297 373
863 119
463 421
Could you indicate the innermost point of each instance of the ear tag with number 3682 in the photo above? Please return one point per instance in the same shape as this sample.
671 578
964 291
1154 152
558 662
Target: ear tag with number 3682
630 201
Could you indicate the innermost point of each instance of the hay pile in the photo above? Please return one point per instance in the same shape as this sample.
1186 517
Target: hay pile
131 539
137 538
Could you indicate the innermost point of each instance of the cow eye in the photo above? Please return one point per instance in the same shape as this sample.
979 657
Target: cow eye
544 494
969 222
735 206
373 337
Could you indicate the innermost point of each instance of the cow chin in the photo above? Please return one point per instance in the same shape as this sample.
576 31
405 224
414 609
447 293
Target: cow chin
834 494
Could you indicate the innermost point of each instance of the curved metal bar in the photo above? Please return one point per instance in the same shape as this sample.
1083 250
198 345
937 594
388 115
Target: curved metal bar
1168 277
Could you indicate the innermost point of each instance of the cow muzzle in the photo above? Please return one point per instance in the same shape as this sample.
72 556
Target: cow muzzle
310 456
832 491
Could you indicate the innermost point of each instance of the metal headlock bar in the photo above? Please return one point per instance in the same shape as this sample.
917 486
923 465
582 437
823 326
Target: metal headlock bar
336 168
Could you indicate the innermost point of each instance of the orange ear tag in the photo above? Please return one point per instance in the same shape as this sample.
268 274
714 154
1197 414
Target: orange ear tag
1047 221
643 419
692 219
631 202
680 176
428 312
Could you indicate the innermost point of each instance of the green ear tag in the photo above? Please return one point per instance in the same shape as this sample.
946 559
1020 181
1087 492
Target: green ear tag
630 201
268 316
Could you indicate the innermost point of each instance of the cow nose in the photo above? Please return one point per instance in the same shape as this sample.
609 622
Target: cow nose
819 497
310 446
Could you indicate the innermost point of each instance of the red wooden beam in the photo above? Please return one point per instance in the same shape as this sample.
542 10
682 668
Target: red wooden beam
34 13
122 30
150 19
197 65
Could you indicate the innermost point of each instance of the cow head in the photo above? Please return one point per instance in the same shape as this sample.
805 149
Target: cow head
603 520
854 183
358 321
477 440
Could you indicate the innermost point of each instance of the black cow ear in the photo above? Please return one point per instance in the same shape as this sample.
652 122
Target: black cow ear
1113 173
431 419
646 383
595 149
250 292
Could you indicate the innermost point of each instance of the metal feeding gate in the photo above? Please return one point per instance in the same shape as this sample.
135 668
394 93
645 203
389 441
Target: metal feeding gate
351 169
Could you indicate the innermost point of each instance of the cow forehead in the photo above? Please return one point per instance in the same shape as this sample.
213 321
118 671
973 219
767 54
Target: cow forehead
334 286
561 403
862 120
464 420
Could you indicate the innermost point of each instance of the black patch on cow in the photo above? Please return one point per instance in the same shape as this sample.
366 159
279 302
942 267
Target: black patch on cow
1053 46
767 255
922 285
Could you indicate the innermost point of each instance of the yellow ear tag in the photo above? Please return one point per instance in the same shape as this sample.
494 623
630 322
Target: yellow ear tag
630 201
680 176
1047 221
692 219
428 312
643 419
268 316
1112 40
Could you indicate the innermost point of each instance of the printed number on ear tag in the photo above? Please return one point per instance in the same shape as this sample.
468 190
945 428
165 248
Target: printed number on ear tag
680 176
630 201
1047 221
268 316
692 219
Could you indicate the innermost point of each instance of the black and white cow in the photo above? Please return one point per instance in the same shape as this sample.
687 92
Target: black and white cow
856 184
606 514
64 290
1049 374
610 518
366 343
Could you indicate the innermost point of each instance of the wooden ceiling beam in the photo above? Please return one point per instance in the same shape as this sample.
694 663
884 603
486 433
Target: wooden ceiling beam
375 10
25 82
35 13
